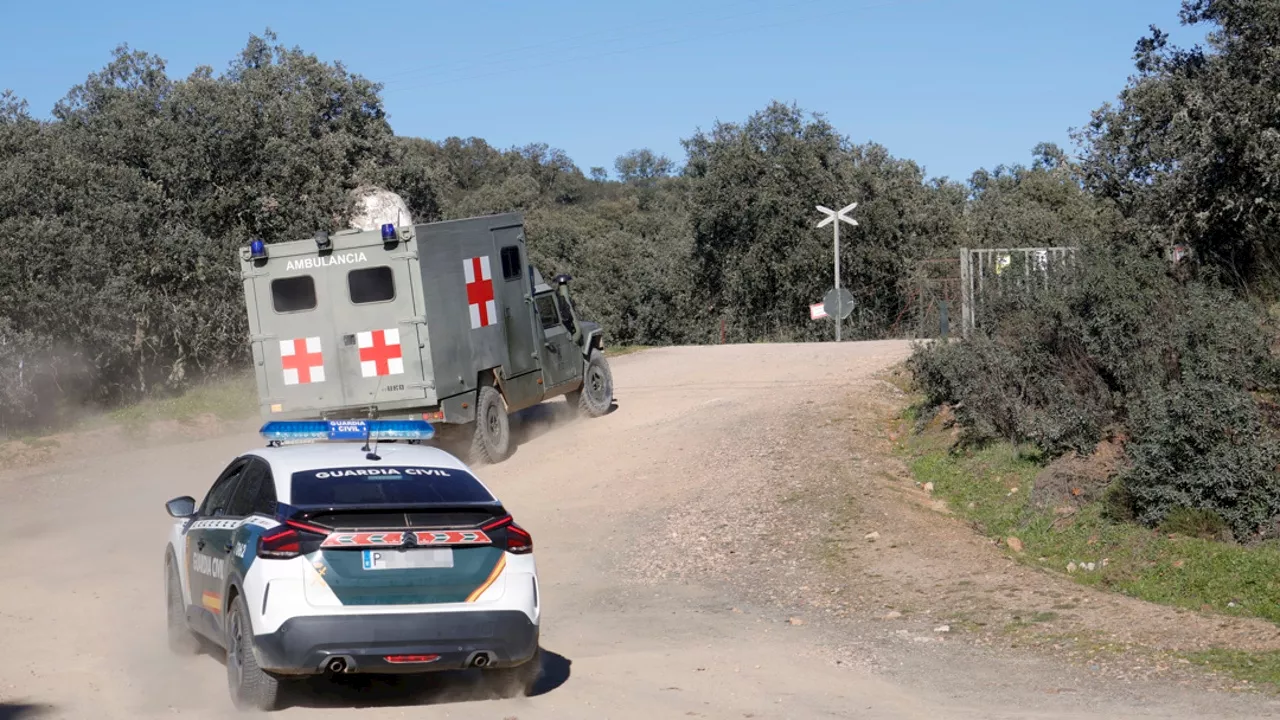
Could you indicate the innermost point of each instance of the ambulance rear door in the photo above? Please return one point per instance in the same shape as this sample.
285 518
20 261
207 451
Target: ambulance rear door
294 348
377 313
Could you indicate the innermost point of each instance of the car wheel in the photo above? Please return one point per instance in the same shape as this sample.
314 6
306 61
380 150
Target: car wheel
596 395
492 438
252 688
181 640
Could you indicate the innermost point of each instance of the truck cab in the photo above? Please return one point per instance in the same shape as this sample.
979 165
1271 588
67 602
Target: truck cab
444 321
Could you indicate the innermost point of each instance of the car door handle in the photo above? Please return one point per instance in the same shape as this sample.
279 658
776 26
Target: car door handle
227 548
553 348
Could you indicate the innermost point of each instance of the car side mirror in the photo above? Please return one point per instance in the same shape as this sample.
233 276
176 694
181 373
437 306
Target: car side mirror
183 507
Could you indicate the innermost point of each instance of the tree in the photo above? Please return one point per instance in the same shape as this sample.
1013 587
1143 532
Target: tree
1044 205
642 166
139 193
759 259
1190 151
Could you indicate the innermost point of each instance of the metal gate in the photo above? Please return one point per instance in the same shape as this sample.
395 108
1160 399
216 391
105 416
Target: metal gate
992 272
932 304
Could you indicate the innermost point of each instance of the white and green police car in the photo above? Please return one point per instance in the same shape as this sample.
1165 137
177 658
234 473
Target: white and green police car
310 557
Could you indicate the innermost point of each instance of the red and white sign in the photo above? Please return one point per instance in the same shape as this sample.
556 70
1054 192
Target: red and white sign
479 292
817 311
380 352
302 361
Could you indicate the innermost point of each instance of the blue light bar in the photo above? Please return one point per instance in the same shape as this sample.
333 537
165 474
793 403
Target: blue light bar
388 232
295 430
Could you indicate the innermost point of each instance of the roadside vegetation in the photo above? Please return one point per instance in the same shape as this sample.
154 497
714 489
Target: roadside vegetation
226 399
619 350
1184 562
234 397
1119 423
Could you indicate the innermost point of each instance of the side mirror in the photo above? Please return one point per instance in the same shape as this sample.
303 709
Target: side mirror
183 507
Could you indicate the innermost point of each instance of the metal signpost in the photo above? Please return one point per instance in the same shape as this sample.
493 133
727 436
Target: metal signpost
839 302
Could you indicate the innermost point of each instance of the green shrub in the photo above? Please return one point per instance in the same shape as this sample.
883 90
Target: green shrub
998 390
1203 524
1203 445
1117 344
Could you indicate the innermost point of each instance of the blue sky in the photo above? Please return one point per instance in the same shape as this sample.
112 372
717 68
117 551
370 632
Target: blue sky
953 84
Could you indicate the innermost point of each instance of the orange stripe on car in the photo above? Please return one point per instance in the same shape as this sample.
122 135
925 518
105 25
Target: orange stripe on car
497 570
212 601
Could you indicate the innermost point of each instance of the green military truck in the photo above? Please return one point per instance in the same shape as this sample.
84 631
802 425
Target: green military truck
443 321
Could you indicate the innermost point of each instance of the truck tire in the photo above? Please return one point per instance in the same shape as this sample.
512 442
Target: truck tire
596 396
492 438
181 640
252 688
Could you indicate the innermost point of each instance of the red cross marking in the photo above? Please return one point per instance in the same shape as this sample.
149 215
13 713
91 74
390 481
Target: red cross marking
380 353
301 360
479 291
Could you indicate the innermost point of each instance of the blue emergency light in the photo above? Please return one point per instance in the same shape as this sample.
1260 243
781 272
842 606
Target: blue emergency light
258 249
388 232
298 430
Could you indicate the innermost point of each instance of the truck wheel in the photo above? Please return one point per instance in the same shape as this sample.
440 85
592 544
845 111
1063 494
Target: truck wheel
181 640
252 688
492 438
596 395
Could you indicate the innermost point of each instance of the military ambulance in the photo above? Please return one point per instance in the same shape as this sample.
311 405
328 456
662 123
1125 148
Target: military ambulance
443 321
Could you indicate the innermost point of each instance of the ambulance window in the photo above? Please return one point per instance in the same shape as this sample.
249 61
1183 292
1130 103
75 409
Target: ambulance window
293 294
547 310
511 263
371 285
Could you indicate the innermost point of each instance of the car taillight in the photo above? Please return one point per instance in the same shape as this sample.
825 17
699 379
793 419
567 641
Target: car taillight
286 542
281 545
519 541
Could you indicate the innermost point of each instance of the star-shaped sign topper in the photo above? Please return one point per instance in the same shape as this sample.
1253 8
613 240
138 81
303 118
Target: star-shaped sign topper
841 214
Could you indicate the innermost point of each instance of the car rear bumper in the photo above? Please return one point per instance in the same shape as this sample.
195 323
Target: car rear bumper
306 645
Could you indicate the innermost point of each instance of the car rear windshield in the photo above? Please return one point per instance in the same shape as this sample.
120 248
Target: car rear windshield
334 487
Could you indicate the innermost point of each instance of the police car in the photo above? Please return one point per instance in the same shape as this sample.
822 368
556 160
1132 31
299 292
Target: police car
371 554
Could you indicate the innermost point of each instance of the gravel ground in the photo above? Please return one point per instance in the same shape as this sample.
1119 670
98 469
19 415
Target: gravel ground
810 518
703 552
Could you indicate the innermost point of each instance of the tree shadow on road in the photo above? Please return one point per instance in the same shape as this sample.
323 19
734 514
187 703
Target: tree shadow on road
22 711
437 688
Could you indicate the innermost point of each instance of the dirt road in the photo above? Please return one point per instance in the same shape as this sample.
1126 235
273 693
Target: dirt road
678 546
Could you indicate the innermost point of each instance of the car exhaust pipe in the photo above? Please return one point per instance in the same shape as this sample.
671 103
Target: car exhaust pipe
336 665
480 659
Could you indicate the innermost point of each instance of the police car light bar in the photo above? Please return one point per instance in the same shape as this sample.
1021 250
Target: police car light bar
296 430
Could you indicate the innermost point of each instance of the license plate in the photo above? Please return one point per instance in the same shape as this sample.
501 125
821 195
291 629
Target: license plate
408 559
